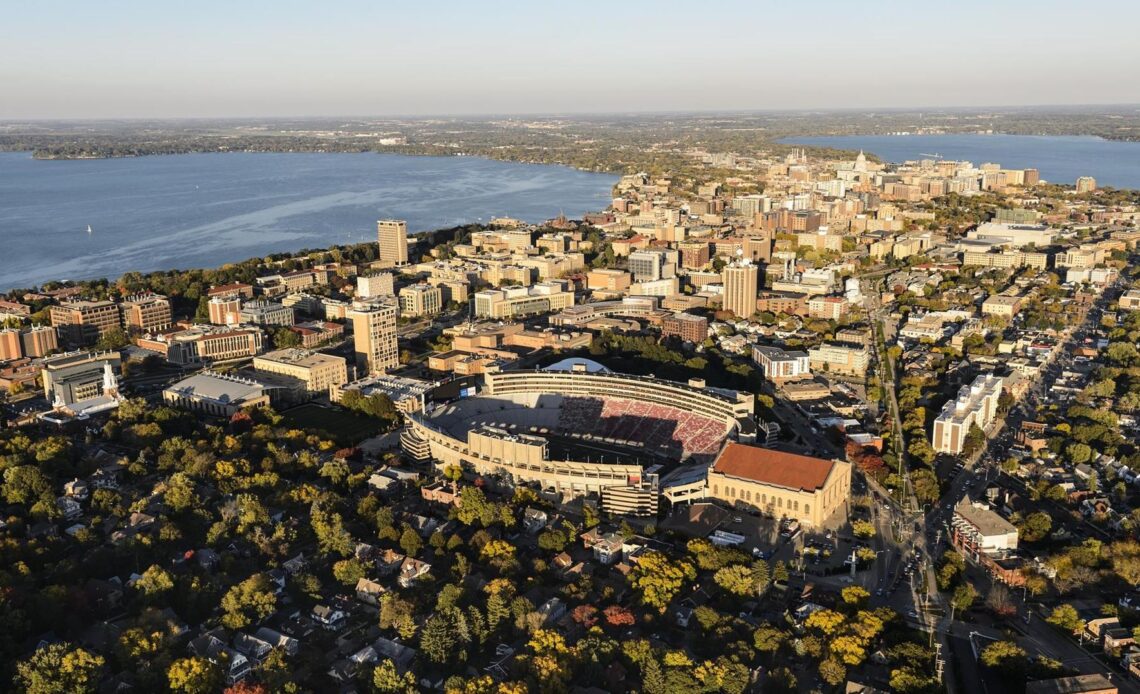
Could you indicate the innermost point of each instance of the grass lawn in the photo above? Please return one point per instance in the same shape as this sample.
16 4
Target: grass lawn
346 428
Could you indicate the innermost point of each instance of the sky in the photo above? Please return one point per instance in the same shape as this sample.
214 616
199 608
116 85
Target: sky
255 58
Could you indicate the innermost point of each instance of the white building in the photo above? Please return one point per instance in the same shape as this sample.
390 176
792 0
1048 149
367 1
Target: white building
977 403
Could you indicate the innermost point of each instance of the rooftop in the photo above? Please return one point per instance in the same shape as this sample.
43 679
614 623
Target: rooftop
776 468
986 521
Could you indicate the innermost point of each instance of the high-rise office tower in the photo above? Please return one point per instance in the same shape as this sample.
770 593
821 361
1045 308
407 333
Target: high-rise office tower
741 280
374 335
392 235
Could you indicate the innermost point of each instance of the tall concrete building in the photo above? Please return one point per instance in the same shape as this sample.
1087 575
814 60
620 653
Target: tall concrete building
392 235
374 336
976 403
741 282
84 322
146 313
421 300
1086 184
375 284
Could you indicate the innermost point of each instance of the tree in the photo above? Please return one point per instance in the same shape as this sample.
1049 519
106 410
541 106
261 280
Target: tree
832 672
1006 657
194 676
1078 453
780 572
1036 526
154 580
1066 618
59 668
386 679
586 615
826 621
768 638
25 484
657 579
249 601
438 639
348 571
328 526
855 596
618 616
975 440
411 542
964 597
736 579
863 529
284 338
1000 601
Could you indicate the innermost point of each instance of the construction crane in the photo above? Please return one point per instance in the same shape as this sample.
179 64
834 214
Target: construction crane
931 156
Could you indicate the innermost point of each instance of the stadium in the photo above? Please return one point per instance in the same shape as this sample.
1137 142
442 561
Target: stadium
576 429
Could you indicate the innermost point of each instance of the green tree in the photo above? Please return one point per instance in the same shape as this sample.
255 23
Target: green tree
1007 658
411 542
348 571
284 338
1066 618
59 668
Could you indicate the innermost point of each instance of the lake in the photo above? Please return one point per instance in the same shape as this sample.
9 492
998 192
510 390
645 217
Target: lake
204 210
1059 159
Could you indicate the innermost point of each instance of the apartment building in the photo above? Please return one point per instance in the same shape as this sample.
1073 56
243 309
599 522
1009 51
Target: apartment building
741 281
652 264
225 309
1006 259
608 280
27 342
374 336
840 359
84 322
779 366
976 404
392 237
421 300
1002 305
686 326
146 313
319 372
375 284
827 307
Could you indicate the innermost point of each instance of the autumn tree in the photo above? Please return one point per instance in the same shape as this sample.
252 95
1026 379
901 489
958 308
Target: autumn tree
59 668
194 676
249 601
657 580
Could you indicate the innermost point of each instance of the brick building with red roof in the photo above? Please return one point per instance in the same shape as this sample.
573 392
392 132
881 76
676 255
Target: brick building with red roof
780 484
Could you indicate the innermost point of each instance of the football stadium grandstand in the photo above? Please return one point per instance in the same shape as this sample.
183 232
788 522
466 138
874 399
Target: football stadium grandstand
576 428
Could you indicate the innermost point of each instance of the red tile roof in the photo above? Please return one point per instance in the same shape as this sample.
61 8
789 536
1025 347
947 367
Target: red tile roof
776 468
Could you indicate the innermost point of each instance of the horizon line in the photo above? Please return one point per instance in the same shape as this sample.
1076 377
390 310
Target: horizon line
579 114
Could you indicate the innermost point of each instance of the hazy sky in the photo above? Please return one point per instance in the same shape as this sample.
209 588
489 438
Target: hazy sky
155 58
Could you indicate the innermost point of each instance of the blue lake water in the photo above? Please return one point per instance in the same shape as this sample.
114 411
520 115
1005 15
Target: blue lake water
204 210
1059 159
